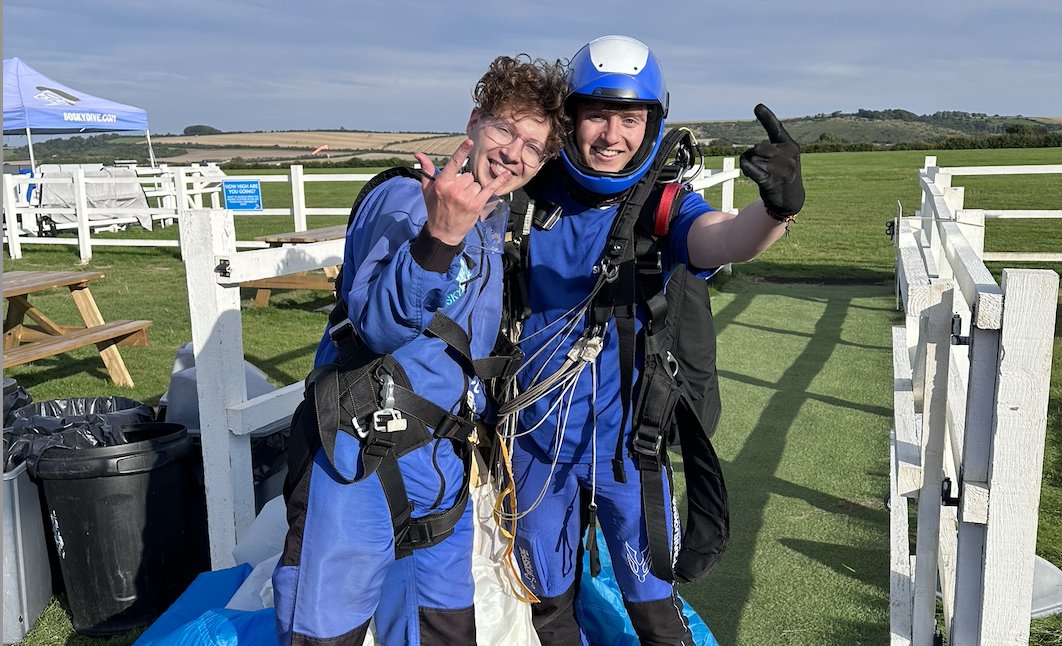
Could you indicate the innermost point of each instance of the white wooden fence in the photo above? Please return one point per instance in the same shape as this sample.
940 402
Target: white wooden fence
215 270
971 377
173 190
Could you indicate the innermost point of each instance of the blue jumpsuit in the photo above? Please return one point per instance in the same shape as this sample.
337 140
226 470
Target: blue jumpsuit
338 569
577 426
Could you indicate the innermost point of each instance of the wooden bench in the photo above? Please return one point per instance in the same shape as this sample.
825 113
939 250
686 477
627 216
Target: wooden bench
102 336
325 281
24 342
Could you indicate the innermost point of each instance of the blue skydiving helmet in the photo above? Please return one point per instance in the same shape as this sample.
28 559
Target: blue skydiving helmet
621 70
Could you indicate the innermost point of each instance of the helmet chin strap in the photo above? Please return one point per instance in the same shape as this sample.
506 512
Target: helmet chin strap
588 198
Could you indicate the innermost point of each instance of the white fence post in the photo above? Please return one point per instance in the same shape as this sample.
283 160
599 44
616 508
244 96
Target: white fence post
84 232
11 219
1018 452
298 197
976 461
727 199
938 343
217 342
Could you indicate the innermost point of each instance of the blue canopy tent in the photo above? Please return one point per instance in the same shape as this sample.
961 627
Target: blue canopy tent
34 103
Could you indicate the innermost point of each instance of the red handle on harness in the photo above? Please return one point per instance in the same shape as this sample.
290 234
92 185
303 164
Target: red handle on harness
663 210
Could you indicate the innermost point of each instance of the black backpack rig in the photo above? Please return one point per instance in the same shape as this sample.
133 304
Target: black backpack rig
369 397
677 400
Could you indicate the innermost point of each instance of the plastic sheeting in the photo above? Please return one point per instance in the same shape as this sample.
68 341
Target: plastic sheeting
599 607
233 607
15 397
79 423
120 199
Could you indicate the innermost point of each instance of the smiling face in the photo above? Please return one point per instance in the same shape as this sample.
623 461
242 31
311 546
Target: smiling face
608 136
489 157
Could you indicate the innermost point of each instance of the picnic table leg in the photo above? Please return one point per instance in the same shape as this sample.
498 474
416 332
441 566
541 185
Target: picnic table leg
108 352
48 325
261 297
16 313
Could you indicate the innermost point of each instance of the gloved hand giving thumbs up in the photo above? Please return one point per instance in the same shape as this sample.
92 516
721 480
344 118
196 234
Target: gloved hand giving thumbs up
775 167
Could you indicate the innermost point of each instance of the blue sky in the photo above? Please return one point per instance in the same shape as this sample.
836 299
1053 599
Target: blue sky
402 65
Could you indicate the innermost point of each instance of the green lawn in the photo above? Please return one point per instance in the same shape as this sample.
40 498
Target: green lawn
805 361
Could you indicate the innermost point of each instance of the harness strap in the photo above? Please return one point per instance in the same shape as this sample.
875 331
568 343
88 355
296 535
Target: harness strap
431 529
446 329
656 509
658 399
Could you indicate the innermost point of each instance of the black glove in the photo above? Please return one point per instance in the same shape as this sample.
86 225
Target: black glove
775 167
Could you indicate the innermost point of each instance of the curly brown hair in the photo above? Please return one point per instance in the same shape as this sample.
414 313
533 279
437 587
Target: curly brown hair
527 86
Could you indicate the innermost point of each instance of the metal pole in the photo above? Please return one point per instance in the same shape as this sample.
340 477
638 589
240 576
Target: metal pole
151 151
29 141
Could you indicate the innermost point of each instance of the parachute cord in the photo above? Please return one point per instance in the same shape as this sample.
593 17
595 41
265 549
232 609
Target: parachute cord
558 439
507 528
557 341
575 312
593 436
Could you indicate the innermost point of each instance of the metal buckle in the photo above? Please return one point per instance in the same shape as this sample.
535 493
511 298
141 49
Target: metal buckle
340 330
672 364
388 419
645 447
608 269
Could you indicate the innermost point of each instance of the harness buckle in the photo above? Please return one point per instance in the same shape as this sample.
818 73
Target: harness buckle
359 430
341 330
388 419
649 447
672 364
650 264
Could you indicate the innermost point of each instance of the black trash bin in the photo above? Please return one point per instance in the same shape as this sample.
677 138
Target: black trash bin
75 423
129 524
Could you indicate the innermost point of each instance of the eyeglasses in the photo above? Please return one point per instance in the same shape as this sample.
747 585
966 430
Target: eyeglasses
503 133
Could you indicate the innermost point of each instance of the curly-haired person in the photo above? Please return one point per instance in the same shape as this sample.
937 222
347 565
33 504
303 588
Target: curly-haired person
380 524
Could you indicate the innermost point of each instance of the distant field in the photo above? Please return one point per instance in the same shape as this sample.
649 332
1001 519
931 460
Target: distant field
336 140
292 146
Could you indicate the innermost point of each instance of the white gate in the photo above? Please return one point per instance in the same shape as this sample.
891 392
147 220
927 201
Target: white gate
971 376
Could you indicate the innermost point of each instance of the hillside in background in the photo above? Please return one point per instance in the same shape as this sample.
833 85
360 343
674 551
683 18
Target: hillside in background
882 127
867 128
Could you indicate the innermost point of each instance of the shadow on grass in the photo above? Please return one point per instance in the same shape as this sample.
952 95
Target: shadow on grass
842 274
751 478
269 364
63 366
837 558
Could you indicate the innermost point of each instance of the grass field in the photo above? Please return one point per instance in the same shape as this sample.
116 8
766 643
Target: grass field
805 362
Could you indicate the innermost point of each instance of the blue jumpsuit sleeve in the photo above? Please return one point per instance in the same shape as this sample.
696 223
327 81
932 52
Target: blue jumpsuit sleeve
390 298
677 251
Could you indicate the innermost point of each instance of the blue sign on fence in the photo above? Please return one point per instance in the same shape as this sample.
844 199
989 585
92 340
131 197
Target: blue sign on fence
242 194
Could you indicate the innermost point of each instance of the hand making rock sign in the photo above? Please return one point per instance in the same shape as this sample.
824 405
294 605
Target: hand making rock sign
455 200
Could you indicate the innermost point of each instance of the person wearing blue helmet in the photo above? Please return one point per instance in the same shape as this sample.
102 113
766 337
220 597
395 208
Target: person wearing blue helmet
569 408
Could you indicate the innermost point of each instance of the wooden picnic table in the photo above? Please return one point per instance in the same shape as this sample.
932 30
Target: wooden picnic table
321 281
25 343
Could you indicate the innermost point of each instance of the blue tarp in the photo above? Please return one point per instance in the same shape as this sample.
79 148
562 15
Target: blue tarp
34 101
199 618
